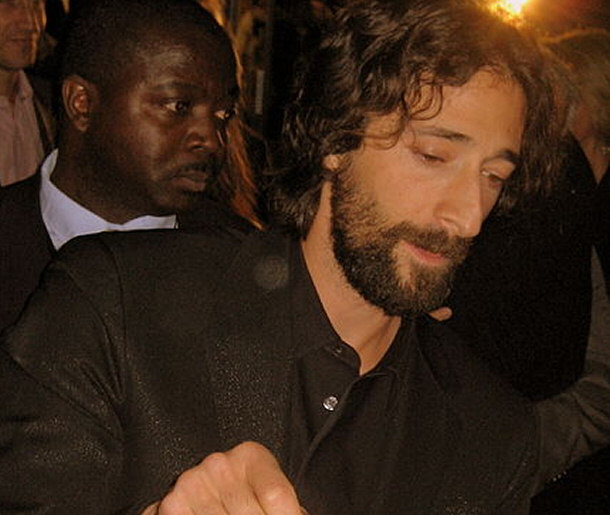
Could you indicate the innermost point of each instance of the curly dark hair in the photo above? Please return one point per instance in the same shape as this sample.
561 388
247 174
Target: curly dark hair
101 40
374 58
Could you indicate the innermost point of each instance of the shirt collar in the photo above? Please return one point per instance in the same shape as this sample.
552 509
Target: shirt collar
65 219
24 90
310 325
312 329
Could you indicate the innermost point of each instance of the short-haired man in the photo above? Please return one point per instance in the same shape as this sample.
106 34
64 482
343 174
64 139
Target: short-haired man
26 124
145 122
262 374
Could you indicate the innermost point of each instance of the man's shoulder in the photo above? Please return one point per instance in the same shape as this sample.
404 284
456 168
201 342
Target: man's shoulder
25 248
208 214
469 384
23 191
496 428
137 248
20 209
159 255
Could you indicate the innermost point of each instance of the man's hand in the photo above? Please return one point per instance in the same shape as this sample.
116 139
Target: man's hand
247 480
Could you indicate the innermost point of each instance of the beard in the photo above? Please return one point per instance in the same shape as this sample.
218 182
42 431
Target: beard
367 250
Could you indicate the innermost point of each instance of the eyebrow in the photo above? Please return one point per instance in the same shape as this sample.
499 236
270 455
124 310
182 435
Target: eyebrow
440 132
231 93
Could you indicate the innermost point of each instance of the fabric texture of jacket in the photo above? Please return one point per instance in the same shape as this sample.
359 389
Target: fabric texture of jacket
141 353
26 247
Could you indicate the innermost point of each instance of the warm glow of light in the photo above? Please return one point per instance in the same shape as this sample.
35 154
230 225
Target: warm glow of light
510 8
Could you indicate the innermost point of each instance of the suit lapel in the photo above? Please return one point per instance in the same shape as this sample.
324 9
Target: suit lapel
250 362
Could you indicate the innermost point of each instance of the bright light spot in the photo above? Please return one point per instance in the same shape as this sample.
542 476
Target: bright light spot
509 8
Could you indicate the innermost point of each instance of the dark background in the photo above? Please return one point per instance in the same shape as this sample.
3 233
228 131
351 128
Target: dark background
558 15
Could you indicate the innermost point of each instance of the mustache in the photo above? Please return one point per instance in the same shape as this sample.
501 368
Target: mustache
436 241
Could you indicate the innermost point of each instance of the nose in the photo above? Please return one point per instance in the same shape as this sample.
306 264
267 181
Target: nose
205 133
462 208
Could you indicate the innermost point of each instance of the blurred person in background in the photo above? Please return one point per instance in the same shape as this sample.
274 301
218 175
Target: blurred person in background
523 298
586 54
584 59
529 272
26 123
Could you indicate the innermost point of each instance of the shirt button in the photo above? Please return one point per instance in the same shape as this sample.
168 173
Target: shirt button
337 350
330 403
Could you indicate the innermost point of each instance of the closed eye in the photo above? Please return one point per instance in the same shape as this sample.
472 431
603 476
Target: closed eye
495 179
429 158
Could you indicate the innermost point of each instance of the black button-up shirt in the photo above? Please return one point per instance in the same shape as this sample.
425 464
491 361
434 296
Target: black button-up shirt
340 438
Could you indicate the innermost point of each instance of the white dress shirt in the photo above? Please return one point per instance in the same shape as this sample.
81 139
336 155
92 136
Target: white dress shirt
65 219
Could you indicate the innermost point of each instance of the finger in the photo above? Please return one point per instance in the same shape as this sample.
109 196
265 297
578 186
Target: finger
153 509
194 493
225 474
441 314
274 492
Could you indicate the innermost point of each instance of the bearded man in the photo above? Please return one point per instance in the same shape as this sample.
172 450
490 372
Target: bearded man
273 373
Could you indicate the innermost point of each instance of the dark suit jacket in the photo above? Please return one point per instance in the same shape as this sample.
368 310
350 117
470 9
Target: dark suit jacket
25 246
143 352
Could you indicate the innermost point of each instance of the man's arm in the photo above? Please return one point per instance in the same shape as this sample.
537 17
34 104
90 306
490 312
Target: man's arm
60 444
65 376
576 423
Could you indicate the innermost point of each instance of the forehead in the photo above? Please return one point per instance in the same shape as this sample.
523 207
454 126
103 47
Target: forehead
12 7
14 4
488 106
190 54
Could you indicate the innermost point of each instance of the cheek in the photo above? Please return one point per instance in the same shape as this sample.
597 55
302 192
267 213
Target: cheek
130 151
404 195
145 143
5 19
142 137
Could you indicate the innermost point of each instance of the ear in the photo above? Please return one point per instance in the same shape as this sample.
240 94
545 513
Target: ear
80 98
332 162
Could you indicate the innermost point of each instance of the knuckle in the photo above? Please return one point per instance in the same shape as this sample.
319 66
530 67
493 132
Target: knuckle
187 483
217 464
249 446
250 449
172 504
277 494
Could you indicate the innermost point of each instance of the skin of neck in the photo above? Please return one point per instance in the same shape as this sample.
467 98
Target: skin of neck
362 325
71 175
